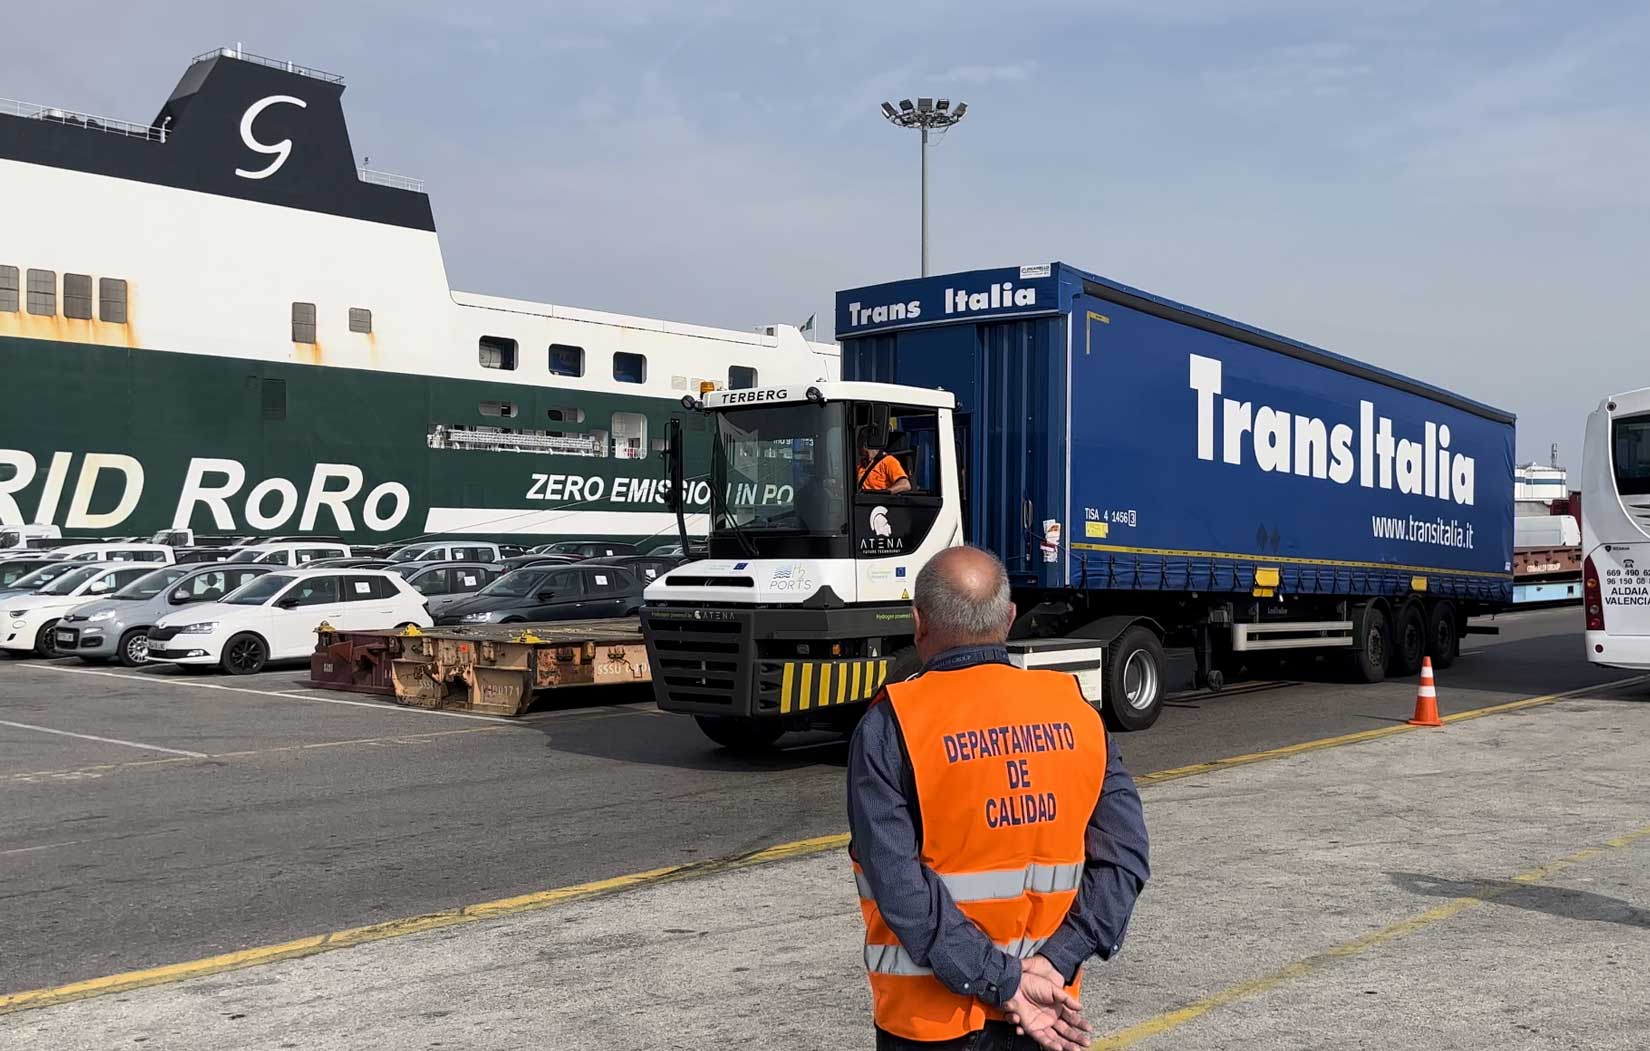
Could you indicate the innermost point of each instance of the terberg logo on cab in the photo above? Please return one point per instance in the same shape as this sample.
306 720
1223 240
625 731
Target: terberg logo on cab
1313 448
209 485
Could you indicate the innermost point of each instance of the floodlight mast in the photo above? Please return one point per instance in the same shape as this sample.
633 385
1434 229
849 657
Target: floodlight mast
925 114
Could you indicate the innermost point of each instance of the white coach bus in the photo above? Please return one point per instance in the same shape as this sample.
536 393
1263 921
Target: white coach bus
1615 531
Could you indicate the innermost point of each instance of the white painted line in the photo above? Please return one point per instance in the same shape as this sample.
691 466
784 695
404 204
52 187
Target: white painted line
377 706
43 846
105 740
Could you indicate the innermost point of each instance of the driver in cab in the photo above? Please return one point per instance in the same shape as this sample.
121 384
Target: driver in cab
878 470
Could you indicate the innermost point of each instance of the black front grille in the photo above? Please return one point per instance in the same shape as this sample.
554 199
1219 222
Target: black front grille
162 634
698 663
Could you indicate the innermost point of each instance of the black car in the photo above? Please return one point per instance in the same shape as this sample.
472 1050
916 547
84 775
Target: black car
647 568
532 559
202 554
587 548
539 593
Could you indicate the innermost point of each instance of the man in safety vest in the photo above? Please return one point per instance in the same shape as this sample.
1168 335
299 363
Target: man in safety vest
878 470
998 842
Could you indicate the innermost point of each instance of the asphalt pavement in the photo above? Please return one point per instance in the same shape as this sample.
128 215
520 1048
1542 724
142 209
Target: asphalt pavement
1478 887
157 816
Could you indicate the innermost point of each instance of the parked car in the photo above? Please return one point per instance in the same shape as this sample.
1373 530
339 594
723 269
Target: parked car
523 561
30 621
573 592
510 550
116 551
448 551
33 581
274 617
118 626
674 549
349 563
647 568
443 583
284 553
587 548
12 569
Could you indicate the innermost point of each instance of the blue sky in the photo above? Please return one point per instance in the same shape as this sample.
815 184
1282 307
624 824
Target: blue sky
1457 190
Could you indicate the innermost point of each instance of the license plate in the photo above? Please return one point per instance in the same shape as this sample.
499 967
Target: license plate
66 637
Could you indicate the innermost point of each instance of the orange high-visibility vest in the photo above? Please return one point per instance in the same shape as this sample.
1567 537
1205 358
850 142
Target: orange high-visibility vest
1008 766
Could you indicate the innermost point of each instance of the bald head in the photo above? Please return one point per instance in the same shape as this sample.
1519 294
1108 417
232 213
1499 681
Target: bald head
961 599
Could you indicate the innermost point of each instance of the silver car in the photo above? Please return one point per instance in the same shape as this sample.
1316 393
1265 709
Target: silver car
118 626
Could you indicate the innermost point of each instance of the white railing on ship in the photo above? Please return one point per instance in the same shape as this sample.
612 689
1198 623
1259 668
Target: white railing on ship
390 179
272 63
90 122
506 441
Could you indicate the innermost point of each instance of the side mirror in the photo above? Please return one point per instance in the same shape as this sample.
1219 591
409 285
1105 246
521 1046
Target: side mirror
674 469
288 603
180 596
545 596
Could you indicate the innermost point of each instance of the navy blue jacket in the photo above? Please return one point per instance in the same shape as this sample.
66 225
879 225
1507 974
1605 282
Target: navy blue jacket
885 825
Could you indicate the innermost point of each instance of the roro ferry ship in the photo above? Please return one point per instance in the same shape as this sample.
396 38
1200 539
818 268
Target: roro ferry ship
217 320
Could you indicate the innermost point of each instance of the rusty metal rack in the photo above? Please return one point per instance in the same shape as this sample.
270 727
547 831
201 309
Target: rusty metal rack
496 669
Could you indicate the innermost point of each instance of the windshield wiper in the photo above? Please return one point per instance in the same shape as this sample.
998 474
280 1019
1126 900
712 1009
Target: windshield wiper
746 544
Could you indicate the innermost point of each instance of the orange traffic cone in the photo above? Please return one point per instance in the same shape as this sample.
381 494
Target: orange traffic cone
1426 698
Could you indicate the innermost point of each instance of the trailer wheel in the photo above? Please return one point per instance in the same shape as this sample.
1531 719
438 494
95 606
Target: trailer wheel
1443 638
742 736
1409 641
1134 680
1369 655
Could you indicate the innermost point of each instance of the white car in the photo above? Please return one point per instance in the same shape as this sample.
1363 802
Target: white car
289 554
29 621
111 551
274 617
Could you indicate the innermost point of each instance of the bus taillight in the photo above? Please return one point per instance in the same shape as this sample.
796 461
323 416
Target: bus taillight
1592 598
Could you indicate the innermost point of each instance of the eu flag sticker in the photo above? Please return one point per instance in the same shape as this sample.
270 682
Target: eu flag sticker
740 565
899 571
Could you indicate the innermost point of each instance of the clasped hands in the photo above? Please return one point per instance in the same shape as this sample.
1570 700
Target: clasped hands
1043 1010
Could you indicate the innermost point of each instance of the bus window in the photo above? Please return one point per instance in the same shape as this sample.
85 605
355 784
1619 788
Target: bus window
1631 442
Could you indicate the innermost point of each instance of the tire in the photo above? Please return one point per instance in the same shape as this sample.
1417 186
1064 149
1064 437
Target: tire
1134 680
133 648
45 640
1443 635
742 736
1409 641
244 654
1369 657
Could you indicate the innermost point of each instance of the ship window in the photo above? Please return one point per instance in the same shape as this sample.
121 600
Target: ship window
497 352
565 414
497 408
8 289
741 377
303 322
629 435
43 292
111 300
272 395
629 368
566 360
656 445
77 296
360 320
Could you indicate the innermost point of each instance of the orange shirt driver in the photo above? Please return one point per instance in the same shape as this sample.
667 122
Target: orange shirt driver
879 472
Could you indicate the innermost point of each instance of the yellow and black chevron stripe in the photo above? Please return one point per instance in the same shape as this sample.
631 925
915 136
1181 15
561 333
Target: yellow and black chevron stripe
805 685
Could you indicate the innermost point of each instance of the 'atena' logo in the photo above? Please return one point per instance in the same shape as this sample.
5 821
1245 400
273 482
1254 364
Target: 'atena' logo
279 150
882 533
879 522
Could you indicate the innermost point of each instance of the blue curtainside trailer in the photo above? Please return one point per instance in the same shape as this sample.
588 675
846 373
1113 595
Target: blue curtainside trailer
1114 441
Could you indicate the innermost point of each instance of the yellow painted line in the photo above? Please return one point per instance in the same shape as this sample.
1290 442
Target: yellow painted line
1194 769
824 685
806 690
858 665
841 683
545 899
1172 1020
1178 553
787 680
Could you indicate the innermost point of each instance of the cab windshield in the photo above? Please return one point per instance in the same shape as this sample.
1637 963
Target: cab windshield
780 469
151 584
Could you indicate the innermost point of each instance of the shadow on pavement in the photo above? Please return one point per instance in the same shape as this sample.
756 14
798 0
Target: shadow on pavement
1562 902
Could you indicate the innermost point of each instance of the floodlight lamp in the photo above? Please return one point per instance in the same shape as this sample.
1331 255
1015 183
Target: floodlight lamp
924 105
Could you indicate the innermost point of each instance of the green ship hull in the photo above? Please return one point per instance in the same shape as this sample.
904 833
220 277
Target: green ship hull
116 441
